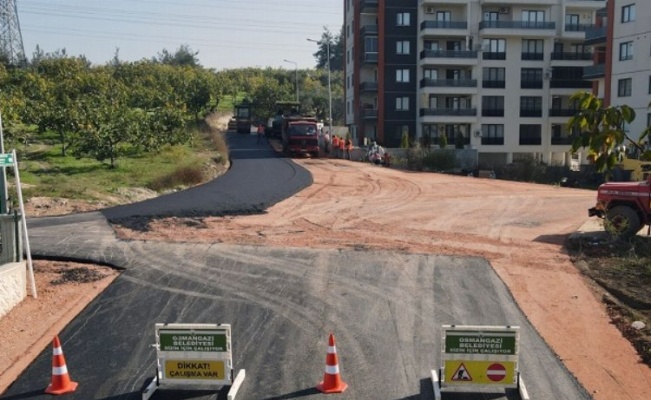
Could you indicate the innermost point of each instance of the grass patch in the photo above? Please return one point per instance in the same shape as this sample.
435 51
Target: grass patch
45 172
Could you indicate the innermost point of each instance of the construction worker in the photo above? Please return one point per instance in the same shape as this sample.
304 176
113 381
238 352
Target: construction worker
260 132
349 148
335 145
342 147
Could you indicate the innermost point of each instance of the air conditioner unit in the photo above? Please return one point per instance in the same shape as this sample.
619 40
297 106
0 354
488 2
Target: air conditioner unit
504 10
477 133
429 10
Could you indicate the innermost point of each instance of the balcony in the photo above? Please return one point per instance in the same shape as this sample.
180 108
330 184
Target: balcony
460 112
466 83
368 5
569 56
562 112
586 4
493 55
444 25
567 83
492 141
531 84
493 84
562 140
594 71
533 56
369 113
578 27
368 87
519 2
448 54
369 30
519 25
492 112
595 36
529 141
531 112
369 58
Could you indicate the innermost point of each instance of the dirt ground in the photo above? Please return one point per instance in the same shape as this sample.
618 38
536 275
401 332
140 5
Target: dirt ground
520 228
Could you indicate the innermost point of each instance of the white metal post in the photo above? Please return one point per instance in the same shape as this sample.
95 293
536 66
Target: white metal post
24 220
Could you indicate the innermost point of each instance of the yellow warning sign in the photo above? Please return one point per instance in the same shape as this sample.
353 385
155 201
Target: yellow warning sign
194 369
465 372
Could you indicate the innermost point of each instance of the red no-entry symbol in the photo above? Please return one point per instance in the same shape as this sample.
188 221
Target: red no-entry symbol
496 372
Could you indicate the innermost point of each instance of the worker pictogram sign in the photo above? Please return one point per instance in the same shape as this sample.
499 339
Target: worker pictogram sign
496 372
461 374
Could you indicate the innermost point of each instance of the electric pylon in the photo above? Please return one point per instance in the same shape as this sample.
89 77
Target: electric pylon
11 40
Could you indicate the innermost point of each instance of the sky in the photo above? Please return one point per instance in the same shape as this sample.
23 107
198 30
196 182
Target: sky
226 33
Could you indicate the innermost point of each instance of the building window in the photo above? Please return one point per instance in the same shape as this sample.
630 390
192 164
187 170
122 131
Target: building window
433 74
402 75
492 134
403 19
572 23
494 49
531 78
492 106
628 13
402 47
493 77
530 134
531 106
625 51
402 103
533 49
624 87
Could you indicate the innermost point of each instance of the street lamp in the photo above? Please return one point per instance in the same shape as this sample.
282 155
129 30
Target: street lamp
295 75
329 87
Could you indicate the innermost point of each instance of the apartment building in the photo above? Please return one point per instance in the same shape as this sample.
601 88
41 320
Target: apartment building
622 68
494 74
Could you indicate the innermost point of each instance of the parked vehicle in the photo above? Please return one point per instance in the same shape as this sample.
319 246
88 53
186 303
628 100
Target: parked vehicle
624 206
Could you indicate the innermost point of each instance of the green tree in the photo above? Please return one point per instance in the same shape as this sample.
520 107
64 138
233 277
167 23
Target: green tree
183 56
601 131
337 45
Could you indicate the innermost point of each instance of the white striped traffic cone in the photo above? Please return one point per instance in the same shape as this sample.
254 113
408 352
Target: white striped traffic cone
61 382
332 382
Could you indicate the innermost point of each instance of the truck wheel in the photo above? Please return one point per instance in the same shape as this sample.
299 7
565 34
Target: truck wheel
622 221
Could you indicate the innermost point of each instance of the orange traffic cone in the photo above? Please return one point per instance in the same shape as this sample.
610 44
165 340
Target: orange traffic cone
332 382
61 382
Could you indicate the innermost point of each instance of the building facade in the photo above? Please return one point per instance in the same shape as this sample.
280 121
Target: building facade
495 75
622 68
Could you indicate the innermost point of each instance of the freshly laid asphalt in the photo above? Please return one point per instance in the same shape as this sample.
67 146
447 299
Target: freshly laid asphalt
385 308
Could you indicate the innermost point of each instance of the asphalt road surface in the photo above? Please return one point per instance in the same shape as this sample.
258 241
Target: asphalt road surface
385 308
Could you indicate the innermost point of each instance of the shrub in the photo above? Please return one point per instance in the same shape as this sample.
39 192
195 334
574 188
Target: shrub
443 141
440 160
182 176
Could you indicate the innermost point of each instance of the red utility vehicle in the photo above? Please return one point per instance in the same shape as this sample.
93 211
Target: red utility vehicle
625 206
300 135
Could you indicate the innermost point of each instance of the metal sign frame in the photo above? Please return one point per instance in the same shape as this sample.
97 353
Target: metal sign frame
477 349
194 354
194 344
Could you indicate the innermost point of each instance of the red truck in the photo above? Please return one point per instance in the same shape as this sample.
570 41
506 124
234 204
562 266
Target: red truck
300 135
625 206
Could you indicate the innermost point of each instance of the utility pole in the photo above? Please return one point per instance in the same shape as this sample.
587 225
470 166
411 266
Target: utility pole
295 75
329 87
11 39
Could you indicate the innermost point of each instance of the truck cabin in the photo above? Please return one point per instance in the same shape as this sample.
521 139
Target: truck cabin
302 129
